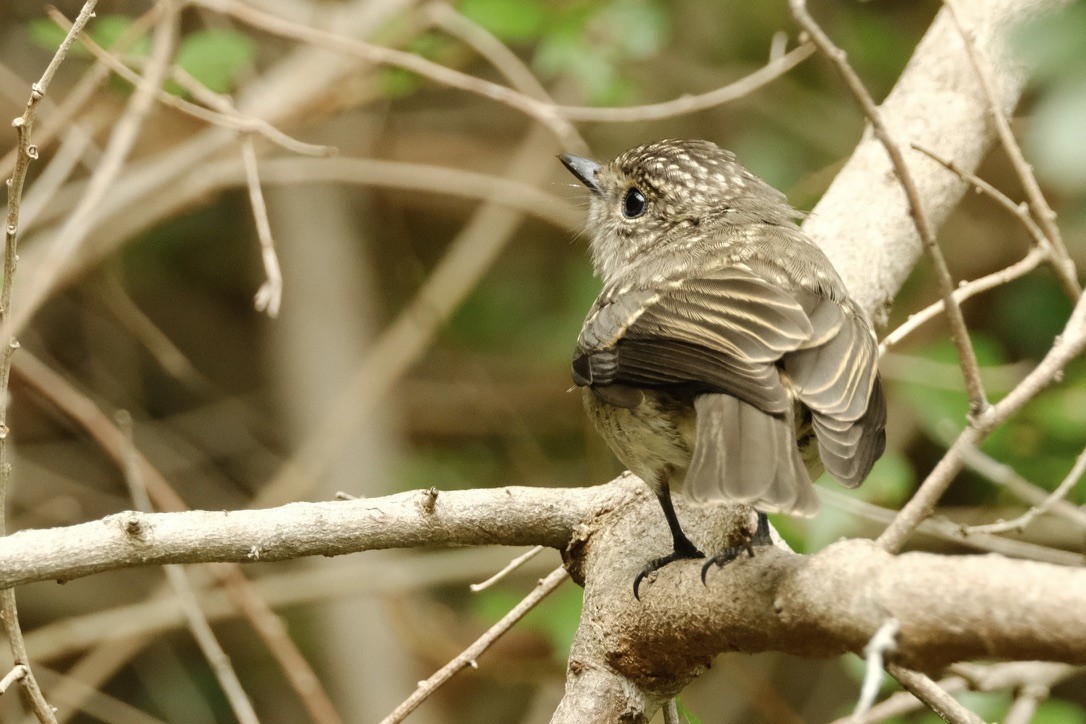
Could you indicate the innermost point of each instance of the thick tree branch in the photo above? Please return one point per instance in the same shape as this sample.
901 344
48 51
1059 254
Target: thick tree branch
503 516
863 220
950 608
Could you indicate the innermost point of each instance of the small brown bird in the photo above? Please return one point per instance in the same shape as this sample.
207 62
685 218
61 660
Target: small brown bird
724 354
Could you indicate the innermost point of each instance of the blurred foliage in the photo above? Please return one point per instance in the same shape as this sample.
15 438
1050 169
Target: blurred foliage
194 274
556 617
1054 46
216 57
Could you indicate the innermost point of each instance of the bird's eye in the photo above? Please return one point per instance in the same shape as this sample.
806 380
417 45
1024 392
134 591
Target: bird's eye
634 204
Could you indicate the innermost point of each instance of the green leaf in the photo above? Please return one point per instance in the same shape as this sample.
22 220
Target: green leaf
108 29
509 20
105 31
215 57
48 35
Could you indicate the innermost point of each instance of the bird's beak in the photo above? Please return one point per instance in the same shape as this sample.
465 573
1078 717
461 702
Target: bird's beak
584 169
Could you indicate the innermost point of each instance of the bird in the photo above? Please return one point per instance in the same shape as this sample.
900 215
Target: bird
724 356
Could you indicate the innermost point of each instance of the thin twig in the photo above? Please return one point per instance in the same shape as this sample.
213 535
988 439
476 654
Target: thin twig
198 623
513 565
1026 700
686 104
270 294
90 701
1066 347
60 116
1021 212
1065 267
1061 491
882 642
978 401
26 152
521 77
16 674
470 655
947 530
86 413
964 291
76 142
975 678
936 698
81 220
540 111
1004 475
227 117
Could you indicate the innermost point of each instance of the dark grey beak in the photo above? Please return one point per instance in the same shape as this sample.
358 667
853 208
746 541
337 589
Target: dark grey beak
584 169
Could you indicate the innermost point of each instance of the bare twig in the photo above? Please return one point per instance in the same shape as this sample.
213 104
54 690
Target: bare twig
1067 346
26 152
964 291
513 565
238 588
1061 491
197 622
949 531
226 115
1041 252
270 294
540 111
937 699
1018 211
470 655
1065 267
17 673
81 219
89 700
978 401
1026 700
775 68
1006 476
972 677
60 117
671 712
467 259
882 643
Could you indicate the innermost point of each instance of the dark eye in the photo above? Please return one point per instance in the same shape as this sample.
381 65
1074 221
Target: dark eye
634 204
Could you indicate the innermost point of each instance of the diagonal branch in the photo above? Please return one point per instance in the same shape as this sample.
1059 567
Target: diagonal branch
978 401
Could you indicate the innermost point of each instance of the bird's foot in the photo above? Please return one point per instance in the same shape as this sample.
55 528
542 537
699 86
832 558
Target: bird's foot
761 537
681 551
725 557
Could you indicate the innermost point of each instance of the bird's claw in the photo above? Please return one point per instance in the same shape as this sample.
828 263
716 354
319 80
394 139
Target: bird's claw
658 563
725 557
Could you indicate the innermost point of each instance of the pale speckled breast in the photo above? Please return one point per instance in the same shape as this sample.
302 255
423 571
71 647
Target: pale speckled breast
657 435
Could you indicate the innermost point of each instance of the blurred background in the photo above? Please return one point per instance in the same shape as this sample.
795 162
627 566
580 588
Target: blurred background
425 332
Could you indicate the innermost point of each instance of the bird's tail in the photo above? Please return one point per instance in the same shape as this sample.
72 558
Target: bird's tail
742 454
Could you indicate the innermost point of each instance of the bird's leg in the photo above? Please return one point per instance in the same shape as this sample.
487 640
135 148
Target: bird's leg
761 537
683 547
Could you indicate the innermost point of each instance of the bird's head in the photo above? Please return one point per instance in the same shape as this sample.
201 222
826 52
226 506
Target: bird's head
668 192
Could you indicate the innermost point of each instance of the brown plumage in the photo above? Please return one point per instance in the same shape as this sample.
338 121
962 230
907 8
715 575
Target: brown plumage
723 354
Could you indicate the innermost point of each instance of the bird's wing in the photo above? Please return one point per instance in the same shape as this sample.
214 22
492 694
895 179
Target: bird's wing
721 331
838 379
731 331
